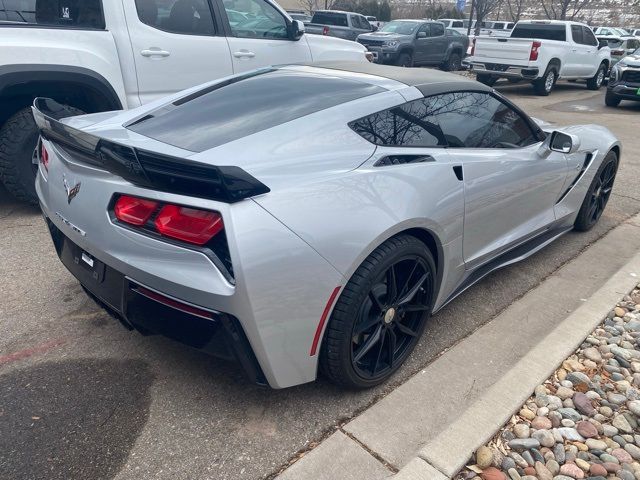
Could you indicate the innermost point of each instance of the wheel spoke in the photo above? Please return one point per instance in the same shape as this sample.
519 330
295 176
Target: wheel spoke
366 325
406 330
412 293
368 344
392 287
392 346
406 283
376 301
375 365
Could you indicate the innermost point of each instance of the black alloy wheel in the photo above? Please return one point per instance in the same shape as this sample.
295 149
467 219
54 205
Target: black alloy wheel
380 315
598 194
389 318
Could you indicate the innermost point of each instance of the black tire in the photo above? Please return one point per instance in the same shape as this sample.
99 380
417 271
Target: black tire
368 309
598 194
611 99
18 140
487 79
543 85
595 82
405 60
453 63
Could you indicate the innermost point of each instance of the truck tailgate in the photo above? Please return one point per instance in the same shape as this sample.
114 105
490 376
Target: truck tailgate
502 50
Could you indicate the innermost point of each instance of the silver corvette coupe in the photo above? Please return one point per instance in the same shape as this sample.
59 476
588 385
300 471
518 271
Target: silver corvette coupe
305 218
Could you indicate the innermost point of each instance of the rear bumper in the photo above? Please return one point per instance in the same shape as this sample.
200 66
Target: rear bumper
502 70
150 312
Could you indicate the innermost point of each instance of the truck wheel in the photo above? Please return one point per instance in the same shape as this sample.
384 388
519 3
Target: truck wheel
611 99
595 82
453 63
487 79
544 85
405 60
18 140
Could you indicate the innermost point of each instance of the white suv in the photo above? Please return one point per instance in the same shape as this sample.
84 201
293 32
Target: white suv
99 55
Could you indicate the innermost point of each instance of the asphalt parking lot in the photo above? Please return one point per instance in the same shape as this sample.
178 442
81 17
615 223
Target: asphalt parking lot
81 397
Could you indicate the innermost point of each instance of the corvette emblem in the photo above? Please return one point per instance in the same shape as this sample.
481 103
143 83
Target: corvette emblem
71 191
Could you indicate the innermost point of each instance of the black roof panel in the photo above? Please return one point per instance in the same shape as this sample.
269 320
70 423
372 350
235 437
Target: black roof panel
428 81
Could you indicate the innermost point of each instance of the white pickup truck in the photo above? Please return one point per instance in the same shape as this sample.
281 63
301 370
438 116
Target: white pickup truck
541 52
98 55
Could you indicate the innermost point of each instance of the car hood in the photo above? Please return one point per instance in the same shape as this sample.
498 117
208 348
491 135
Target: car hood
631 60
385 36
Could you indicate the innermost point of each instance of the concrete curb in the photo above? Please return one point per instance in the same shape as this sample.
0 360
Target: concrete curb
450 451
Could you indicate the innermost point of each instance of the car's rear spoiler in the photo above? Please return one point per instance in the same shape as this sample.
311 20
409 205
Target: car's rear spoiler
144 168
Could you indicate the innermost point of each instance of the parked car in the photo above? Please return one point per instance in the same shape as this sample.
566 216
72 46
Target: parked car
542 51
624 80
498 29
114 55
335 23
621 47
373 21
610 32
455 24
303 17
635 32
388 210
416 42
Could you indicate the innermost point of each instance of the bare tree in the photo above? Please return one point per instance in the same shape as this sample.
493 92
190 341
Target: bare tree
482 9
515 9
309 5
564 9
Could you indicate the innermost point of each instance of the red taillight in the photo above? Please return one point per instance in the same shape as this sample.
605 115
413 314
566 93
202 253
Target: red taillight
325 30
473 47
44 157
133 210
188 224
535 48
617 52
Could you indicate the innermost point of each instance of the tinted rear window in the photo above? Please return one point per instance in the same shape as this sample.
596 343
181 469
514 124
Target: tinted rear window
246 105
325 18
541 31
58 13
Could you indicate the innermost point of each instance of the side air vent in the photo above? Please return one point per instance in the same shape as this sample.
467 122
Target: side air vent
587 161
402 159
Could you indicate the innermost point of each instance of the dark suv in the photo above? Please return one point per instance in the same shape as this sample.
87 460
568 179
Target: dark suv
416 42
624 80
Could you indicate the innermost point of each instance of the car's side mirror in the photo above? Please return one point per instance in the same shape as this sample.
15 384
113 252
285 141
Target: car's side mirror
296 30
422 35
564 142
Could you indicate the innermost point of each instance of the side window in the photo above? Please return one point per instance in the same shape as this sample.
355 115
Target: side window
262 20
457 119
54 13
576 33
424 28
437 30
458 25
479 120
359 22
588 36
188 17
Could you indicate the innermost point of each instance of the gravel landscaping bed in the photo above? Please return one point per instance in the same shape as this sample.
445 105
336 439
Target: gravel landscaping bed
582 422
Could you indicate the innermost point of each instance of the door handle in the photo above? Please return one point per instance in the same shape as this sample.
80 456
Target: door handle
244 54
154 52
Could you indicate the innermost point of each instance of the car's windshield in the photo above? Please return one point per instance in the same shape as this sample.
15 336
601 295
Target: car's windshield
401 27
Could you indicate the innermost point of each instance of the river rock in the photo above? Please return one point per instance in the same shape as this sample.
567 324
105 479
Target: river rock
587 429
